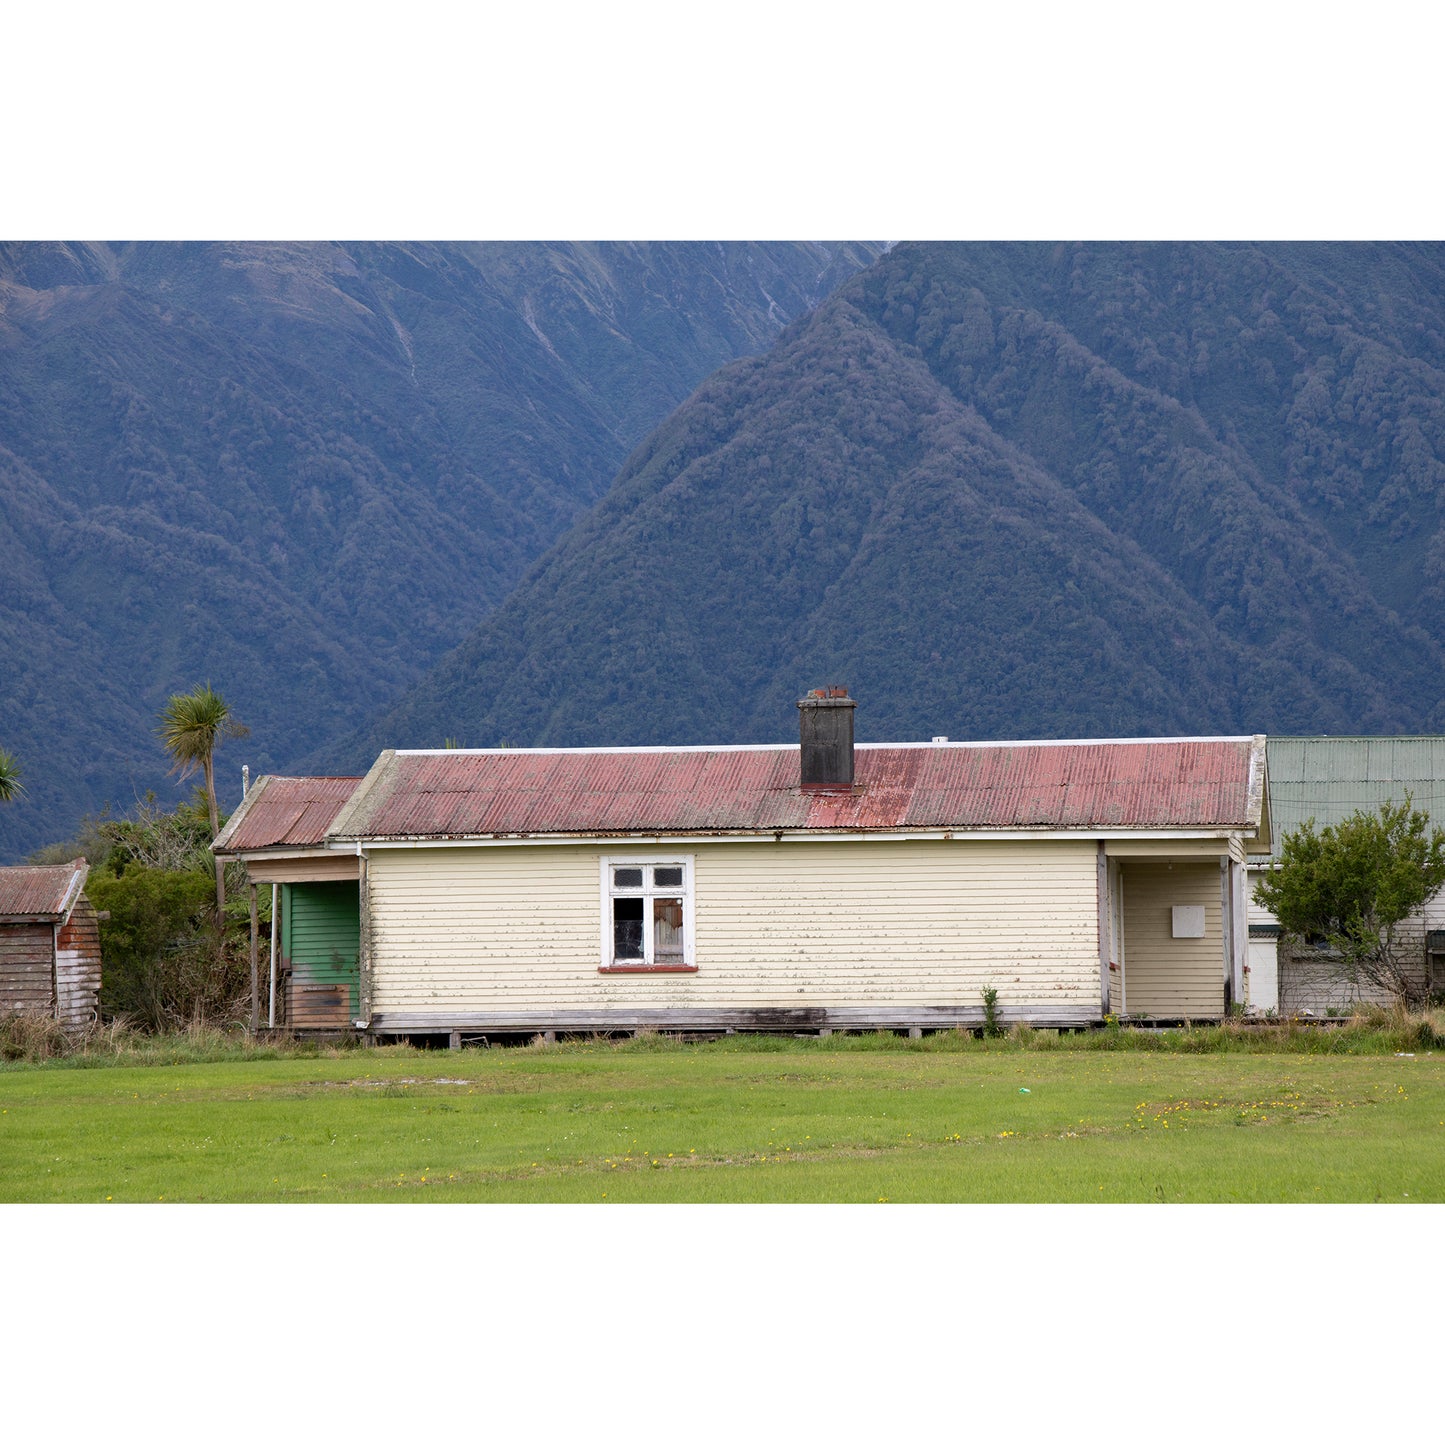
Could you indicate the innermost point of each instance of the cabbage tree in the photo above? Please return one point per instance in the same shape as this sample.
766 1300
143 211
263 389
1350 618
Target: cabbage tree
192 726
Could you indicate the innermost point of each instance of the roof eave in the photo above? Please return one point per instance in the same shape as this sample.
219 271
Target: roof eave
220 844
338 843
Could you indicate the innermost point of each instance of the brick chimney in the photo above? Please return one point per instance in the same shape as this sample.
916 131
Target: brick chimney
825 725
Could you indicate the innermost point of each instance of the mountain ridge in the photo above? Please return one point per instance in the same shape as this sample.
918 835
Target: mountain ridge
985 523
302 470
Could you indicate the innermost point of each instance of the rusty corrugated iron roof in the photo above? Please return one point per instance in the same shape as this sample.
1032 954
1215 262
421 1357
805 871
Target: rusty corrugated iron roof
285 813
45 893
1168 784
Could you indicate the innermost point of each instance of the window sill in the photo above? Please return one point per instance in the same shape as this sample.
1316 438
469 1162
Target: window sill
645 968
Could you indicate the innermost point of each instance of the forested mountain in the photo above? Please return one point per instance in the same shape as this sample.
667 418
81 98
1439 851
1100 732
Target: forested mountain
304 471
1012 490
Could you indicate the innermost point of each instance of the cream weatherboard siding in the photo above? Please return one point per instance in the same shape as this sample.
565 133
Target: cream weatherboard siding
791 925
1164 976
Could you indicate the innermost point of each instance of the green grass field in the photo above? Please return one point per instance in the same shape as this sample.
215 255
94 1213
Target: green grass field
743 1121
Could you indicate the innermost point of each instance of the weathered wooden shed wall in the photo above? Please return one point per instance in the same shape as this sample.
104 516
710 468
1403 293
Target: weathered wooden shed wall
866 929
27 968
77 966
1164 976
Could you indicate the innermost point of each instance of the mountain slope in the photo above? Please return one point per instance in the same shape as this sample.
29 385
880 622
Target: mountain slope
1012 490
302 471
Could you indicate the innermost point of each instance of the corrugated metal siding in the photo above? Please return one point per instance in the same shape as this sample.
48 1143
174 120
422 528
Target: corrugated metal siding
285 812
26 891
777 926
77 966
1330 778
1149 784
320 937
1164 976
27 968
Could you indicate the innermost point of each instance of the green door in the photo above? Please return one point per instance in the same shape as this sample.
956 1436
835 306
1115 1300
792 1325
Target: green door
320 947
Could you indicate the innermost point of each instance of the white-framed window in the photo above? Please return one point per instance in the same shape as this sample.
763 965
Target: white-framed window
647 914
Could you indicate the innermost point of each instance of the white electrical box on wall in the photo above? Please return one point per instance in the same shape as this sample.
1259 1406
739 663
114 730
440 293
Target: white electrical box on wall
1188 920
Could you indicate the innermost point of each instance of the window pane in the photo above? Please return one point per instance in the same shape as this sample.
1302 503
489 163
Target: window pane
667 930
626 928
627 877
667 877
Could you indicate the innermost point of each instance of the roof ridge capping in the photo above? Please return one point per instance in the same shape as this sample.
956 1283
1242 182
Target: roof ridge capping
779 747
381 773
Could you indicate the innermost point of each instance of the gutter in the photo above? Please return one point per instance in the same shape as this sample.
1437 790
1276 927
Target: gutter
342 844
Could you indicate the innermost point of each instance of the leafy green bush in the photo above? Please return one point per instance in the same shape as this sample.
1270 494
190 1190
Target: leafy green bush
1353 883
163 963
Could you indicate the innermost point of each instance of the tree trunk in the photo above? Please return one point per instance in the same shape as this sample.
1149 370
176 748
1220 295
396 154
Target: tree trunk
215 829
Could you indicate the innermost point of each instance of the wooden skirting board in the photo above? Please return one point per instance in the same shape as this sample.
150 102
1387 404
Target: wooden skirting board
761 1020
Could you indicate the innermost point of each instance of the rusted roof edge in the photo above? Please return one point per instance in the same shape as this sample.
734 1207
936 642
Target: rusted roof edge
223 838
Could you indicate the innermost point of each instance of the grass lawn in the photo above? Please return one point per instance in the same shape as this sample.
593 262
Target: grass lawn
738 1121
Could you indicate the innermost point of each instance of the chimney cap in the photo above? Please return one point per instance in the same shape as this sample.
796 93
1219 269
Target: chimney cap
833 696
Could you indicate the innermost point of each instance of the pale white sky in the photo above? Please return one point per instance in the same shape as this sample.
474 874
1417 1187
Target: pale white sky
642 119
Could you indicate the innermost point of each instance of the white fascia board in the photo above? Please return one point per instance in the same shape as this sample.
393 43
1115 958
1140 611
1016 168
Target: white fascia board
676 840
311 850
72 893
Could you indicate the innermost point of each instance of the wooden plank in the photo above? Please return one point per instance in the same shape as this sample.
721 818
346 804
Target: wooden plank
27 968
318 1006
739 1020
327 868
77 967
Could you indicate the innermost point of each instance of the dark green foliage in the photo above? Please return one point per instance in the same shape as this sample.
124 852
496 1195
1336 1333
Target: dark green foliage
1012 491
164 964
304 471
1350 885
160 965
10 785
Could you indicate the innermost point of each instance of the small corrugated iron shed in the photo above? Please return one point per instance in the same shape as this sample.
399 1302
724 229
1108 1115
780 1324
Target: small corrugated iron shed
49 943
41 894
1328 778
1170 785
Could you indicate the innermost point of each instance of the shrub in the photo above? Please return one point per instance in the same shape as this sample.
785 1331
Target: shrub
991 1028
163 961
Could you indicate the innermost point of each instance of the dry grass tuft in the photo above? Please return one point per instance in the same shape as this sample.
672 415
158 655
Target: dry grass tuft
31 1037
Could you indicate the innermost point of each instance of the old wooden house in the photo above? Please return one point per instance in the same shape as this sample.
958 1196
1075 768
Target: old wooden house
49 944
1327 779
812 886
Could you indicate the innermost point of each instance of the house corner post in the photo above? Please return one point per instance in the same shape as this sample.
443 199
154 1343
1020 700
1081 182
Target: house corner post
1102 886
255 963
364 984
1239 932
